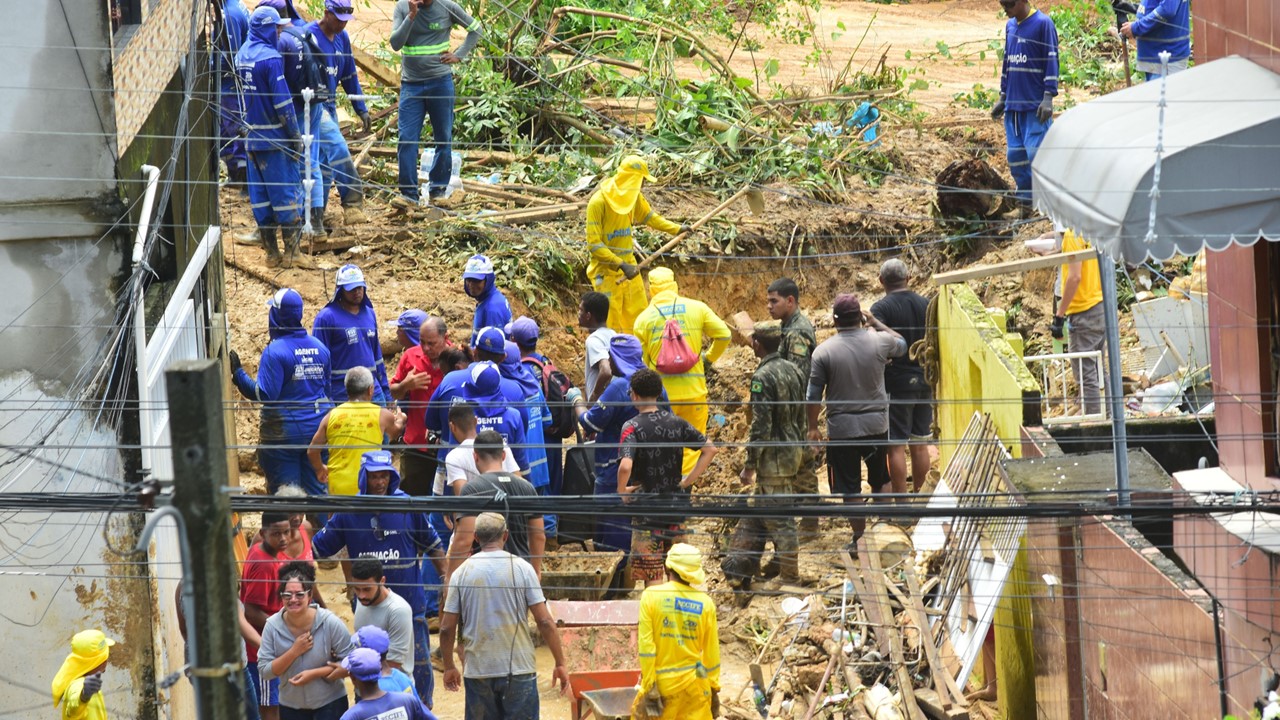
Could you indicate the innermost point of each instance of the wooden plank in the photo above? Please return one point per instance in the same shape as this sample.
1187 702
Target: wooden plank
875 611
875 582
942 680
933 706
1013 266
375 68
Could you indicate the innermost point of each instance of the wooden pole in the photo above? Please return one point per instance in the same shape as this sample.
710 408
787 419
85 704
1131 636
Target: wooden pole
199 494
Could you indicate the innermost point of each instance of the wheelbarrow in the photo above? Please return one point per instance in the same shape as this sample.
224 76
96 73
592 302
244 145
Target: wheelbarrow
611 703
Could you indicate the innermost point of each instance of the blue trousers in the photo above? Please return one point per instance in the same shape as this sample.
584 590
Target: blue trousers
289 466
275 188
317 195
1024 133
614 531
419 100
513 697
336 162
424 680
230 117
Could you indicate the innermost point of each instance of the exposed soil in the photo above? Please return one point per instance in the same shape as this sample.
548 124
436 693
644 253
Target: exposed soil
799 234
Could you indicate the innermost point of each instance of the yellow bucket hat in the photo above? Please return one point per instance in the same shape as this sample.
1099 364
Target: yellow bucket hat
89 649
621 190
685 560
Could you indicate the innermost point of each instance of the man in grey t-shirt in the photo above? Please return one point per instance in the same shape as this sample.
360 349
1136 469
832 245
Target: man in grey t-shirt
420 33
379 605
847 371
487 604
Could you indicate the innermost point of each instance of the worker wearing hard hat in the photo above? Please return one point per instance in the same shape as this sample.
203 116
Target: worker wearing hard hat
611 212
679 644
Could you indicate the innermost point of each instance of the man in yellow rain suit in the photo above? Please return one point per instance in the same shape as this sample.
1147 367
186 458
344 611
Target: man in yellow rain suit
679 642
78 685
686 391
611 212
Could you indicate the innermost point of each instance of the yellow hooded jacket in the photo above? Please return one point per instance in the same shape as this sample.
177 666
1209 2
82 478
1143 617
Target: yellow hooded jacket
89 649
610 243
679 638
699 323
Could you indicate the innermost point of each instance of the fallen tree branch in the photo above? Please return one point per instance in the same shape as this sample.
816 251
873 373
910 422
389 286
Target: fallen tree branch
660 26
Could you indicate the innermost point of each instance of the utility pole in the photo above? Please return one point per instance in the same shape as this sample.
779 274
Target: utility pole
199 494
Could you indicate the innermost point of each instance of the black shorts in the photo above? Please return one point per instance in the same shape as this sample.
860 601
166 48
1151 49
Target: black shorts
910 414
845 457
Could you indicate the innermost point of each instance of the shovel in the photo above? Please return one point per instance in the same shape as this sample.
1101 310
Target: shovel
755 199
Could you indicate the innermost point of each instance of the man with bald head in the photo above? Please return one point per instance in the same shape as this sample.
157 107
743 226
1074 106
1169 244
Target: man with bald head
910 397
417 376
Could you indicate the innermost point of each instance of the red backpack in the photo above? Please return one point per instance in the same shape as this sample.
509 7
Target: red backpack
675 356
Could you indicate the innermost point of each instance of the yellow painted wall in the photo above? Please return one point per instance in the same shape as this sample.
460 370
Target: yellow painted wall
980 372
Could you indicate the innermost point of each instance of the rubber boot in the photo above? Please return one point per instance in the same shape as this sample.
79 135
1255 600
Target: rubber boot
249 239
292 238
271 243
353 210
317 221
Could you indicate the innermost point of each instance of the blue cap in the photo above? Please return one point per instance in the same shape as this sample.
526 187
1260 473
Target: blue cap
341 9
484 385
523 331
349 276
410 321
492 340
627 353
363 664
266 16
478 267
376 460
286 299
373 638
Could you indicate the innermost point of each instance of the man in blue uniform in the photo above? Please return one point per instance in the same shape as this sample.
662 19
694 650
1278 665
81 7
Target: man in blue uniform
330 35
493 410
293 386
1028 84
348 326
232 34
527 395
273 142
1160 26
480 282
398 539
604 421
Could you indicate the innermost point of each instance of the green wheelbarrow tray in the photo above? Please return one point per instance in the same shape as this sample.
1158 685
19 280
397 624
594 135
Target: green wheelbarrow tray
611 703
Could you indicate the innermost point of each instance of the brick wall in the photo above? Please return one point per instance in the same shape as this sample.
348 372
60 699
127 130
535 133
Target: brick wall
144 66
1237 27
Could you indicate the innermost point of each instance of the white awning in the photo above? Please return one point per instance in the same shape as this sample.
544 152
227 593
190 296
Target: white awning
1219 176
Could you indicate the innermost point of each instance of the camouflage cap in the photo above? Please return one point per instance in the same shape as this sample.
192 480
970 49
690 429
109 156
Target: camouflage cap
767 329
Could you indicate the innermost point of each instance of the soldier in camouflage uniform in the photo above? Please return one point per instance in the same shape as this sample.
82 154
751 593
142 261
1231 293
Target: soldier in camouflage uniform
798 343
774 454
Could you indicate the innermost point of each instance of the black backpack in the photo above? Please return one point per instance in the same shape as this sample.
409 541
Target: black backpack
555 387
314 69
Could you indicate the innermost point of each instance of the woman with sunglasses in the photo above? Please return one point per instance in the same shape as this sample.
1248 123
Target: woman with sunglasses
303 645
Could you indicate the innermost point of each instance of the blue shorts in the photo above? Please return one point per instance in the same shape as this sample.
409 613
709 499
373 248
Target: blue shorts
269 692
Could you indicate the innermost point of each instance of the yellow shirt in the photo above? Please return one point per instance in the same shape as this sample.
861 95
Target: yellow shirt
699 323
73 709
1089 291
679 638
609 239
354 429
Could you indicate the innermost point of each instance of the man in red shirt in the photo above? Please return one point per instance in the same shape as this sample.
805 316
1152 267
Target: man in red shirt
415 381
260 594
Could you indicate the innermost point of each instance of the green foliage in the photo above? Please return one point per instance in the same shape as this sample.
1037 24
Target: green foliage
981 97
1088 57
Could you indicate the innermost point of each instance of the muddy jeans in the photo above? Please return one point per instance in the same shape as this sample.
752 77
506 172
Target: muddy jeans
1086 334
